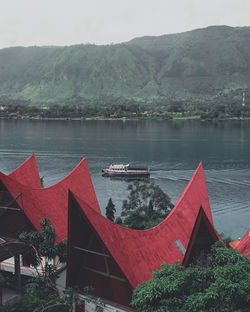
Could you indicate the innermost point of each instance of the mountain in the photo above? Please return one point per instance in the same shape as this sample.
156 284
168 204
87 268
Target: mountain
193 67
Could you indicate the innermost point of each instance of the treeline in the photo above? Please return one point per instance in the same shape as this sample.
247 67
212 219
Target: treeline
175 110
73 111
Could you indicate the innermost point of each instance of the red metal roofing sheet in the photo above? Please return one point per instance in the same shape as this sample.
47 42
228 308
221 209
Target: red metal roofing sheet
52 202
234 244
138 253
27 173
244 245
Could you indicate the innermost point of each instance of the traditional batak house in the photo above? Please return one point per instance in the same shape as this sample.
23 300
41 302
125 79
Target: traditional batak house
12 219
114 260
22 207
23 203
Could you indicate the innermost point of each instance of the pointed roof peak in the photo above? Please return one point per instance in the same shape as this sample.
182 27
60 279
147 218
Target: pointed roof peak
196 182
27 173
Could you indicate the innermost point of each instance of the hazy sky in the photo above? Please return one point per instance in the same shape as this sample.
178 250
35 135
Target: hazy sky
67 22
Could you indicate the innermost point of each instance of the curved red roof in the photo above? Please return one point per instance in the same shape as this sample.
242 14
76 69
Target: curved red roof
52 202
27 173
138 253
244 245
234 244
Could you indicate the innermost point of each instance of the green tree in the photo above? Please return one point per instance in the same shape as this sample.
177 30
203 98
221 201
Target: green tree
146 206
42 181
223 285
110 210
118 220
40 297
44 243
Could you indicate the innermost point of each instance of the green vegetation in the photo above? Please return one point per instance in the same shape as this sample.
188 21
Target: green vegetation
200 67
110 210
39 296
44 242
223 285
176 110
129 110
147 205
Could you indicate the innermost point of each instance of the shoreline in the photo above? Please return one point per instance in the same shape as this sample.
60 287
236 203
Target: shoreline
121 119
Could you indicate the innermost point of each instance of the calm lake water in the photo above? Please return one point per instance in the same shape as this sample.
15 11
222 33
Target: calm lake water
172 149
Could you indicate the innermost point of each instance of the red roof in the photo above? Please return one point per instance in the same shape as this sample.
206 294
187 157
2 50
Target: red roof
52 202
244 245
234 244
27 173
138 253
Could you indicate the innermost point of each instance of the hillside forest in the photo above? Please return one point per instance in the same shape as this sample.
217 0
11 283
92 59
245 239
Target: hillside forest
201 72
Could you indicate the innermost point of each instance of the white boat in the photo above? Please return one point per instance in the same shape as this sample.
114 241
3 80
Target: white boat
126 171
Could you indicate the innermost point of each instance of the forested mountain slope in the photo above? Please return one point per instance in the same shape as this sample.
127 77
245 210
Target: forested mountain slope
193 67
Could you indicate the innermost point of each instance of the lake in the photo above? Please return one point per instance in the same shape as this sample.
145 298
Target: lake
172 150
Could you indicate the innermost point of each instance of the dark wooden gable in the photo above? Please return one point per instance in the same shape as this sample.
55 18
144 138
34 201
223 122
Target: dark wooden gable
13 220
202 237
90 264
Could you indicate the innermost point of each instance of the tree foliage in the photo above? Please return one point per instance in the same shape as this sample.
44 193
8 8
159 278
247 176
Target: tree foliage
110 210
146 206
37 300
222 286
44 242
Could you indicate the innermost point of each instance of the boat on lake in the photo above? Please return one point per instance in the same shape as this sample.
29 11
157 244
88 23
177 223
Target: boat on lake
126 171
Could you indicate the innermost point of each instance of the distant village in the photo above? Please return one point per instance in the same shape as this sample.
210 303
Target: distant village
175 110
